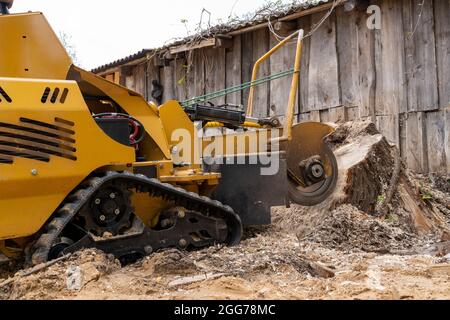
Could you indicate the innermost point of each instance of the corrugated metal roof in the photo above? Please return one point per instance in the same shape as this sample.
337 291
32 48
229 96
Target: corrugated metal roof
225 28
135 56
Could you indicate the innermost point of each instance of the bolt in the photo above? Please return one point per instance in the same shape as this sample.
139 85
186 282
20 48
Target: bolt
148 250
166 223
317 171
98 201
117 212
112 195
34 172
181 214
183 243
102 218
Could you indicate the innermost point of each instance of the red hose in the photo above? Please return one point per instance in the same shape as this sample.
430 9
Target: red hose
135 132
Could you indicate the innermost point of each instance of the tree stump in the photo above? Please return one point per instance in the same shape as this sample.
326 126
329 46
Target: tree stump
373 179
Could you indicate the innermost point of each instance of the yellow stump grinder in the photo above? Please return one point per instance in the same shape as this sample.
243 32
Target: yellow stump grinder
87 163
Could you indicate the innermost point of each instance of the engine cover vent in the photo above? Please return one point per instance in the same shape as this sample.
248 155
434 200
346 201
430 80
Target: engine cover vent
36 140
4 96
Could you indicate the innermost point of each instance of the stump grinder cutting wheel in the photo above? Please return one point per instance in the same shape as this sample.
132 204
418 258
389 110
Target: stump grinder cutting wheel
311 165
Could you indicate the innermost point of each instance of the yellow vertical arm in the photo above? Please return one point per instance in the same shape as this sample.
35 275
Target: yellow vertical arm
258 64
294 89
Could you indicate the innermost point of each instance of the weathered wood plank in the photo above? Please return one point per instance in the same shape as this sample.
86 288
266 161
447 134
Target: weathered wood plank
215 72
391 97
367 69
355 43
261 43
416 144
389 127
447 138
402 117
281 61
348 54
324 115
211 42
129 82
234 70
323 84
190 73
305 24
353 113
315 116
199 73
442 29
305 117
420 55
436 133
338 115
247 63
139 79
167 81
180 78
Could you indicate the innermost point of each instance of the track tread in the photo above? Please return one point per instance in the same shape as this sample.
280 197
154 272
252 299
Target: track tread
75 202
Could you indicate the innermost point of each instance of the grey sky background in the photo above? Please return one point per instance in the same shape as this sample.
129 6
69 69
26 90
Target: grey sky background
105 30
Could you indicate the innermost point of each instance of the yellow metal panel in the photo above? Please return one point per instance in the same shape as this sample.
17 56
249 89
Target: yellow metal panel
30 49
174 118
31 190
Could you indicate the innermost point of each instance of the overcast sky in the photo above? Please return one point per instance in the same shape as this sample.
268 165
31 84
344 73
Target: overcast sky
105 30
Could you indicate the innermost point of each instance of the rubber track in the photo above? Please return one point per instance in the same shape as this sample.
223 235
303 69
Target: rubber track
155 188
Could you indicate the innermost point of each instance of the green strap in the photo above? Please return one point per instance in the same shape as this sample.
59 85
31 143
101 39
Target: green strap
241 87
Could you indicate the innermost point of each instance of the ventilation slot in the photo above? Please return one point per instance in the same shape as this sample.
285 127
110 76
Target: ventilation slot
54 95
64 95
4 95
36 140
5 160
31 155
35 132
65 122
45 95
47 126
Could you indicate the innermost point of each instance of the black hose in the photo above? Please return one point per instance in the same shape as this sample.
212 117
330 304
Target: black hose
126 116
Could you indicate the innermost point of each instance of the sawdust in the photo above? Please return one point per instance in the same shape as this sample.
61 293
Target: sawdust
435 190
52 282
348 228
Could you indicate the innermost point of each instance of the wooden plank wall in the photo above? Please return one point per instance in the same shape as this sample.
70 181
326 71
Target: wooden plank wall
398 76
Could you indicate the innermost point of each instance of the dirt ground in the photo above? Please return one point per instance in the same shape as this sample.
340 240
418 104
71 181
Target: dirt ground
270 264
334 253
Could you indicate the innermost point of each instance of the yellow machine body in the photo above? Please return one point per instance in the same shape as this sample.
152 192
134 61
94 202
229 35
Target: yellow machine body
30 48
50 143
61 133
